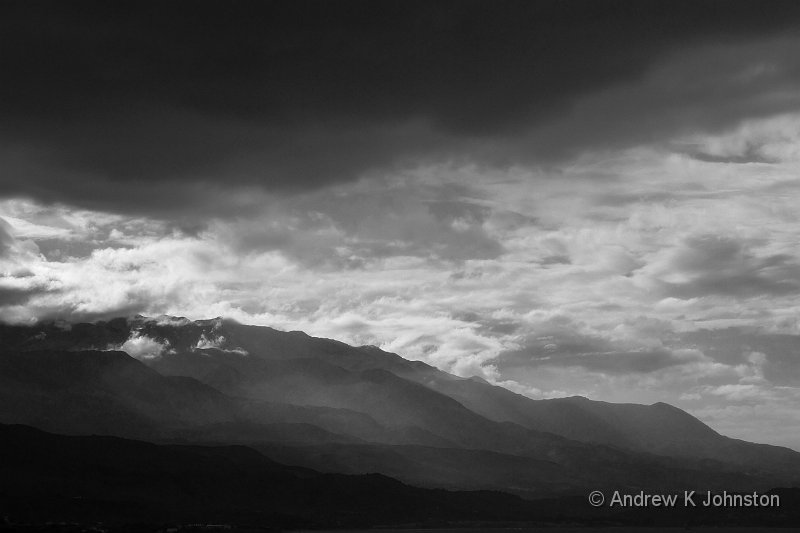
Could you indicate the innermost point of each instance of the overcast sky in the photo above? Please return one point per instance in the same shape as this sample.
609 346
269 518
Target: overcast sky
572 197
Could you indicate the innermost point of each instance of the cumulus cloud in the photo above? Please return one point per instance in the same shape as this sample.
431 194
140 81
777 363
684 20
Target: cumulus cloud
143 347
217 343
171 321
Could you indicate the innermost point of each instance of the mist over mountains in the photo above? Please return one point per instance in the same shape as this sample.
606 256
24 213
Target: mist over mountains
323 405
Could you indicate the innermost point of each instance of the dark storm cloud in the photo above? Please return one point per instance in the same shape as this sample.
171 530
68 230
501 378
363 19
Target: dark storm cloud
140 106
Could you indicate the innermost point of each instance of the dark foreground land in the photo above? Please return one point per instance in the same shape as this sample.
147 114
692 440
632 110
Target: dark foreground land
579 529
53 482
576 529
545 529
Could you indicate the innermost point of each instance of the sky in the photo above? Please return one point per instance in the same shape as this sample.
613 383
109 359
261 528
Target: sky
591 198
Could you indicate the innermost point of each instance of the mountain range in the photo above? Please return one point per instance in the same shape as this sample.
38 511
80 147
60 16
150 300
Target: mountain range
322 406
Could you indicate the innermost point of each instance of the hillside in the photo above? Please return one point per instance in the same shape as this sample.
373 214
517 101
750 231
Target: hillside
323 404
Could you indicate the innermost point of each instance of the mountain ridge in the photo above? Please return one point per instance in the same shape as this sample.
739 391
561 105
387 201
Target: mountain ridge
217 381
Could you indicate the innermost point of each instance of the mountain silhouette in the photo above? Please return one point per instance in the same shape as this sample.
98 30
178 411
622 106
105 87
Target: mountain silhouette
55 478
323 404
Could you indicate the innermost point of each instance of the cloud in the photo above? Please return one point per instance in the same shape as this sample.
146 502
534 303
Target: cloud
738 391
14 249
170 321
143 347
169 113
6 240
719 265
773 418
11 296
759 352
635 347
218 343
627 362
370 221
762 142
